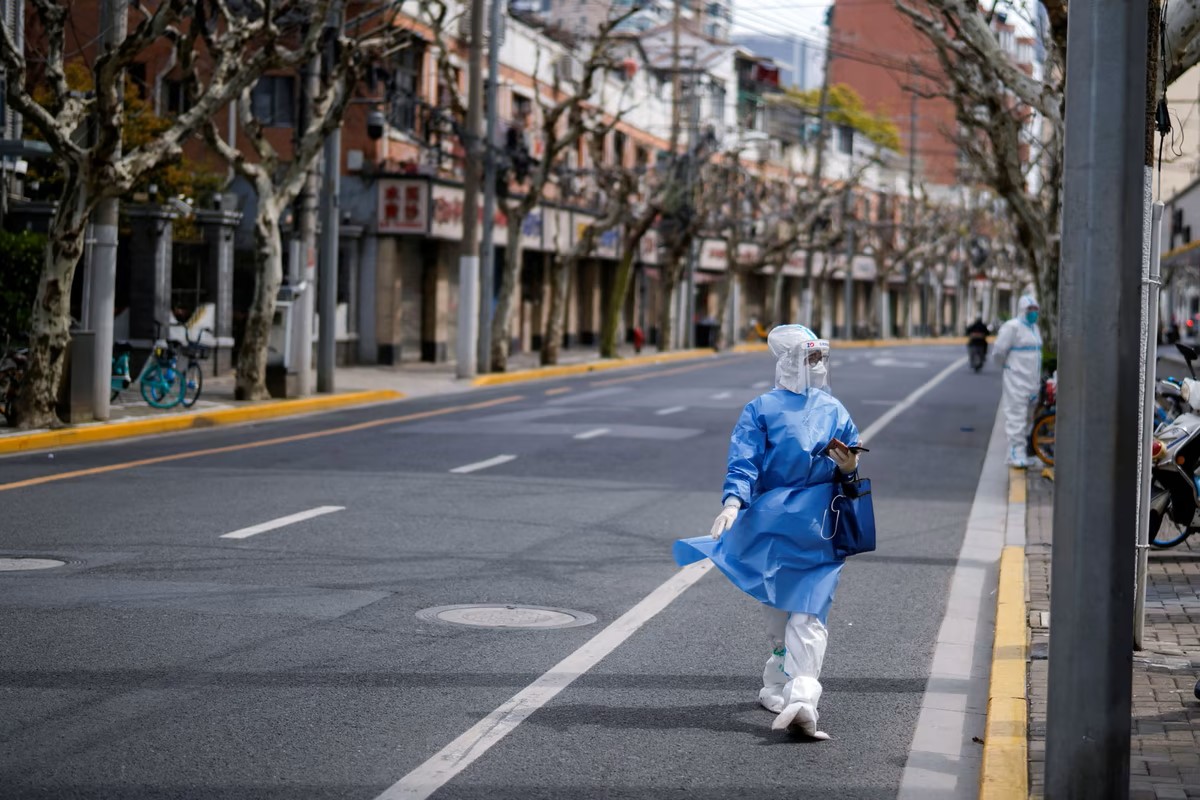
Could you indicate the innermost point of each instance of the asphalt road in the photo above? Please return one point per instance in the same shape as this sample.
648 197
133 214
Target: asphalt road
165 661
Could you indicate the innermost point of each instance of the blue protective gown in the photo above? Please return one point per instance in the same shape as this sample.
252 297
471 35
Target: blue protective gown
777 550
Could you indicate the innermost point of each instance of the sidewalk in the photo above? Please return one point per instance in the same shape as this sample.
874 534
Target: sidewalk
1165 745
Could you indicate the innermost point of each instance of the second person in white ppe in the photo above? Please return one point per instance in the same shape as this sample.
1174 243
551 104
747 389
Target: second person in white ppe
773 538
1019 348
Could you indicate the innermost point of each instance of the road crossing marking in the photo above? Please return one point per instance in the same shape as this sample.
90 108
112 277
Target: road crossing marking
592 434
559 390
254 530
463 751
478 465
459 754
300 437
722 395
662 412
761 385
880 402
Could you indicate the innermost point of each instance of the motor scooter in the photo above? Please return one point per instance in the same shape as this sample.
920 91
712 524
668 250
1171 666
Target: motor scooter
1175 459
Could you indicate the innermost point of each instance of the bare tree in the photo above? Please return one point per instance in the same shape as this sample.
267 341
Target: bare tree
277 182
1010 124
238 46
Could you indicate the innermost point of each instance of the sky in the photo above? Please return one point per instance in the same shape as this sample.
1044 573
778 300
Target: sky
781 17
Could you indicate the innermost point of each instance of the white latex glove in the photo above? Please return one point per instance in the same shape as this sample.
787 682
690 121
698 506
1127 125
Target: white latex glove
725 519
846 460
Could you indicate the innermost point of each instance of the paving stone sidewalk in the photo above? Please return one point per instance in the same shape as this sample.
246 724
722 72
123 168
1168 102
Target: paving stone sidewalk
1165 743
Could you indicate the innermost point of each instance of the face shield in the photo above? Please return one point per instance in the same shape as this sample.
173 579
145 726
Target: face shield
801 359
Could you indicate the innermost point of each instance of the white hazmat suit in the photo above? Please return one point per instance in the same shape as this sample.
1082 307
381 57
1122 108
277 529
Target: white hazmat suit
1019 349
773 537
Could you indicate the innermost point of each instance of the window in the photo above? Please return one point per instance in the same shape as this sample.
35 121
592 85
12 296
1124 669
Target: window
406 88
718 101
273 100
174 97
845 139
522 109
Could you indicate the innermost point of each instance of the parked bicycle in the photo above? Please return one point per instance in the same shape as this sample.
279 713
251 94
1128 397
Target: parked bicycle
161 382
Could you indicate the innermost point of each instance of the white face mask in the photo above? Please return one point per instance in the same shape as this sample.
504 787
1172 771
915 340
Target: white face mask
816 375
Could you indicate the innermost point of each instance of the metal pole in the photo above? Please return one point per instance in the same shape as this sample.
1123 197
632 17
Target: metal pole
1104 198
1151 282
105 225
487 252
848 287
331 186
806 290
308 203
468 260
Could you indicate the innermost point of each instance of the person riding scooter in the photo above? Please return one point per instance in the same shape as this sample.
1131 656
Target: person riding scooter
977 346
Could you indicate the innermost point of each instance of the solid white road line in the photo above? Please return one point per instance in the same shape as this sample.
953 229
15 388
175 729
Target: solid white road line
908 402
459 754
662 412
592 434
246 533
478 465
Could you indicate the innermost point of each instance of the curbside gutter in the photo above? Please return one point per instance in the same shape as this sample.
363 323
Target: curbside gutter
542 373
169 423
1004 772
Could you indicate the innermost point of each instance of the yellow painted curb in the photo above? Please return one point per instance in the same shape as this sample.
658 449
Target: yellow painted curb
543 373
168 423
1016 485
1004 773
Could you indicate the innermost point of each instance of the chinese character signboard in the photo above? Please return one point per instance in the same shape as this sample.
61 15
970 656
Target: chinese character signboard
403 206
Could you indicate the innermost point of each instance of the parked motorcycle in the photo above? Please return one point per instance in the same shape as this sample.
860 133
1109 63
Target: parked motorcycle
1175 460
1041 433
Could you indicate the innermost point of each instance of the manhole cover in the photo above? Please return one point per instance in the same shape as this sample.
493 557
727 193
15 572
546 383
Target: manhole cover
17 564
494 615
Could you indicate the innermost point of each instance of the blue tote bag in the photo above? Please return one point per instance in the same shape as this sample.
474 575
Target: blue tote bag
853 519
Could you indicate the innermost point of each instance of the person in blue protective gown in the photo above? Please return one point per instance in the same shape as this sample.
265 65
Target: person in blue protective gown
773 537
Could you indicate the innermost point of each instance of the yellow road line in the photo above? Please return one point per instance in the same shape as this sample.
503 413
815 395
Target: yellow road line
543 373
855 344
171 423
300 437
648 375
1004 774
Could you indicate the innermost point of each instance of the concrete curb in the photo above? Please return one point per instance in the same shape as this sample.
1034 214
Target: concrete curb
169 423
855 344
1004 772
543 373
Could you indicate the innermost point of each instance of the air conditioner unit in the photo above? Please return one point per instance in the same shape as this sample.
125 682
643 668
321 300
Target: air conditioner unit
568 68
464 28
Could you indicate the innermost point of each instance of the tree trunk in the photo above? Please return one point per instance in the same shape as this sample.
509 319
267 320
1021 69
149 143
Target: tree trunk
251 383
724 292
561 270
50 322
879 293
671 274
612 314
910 285
508 285
775 311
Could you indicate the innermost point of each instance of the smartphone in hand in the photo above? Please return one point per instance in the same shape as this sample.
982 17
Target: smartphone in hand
837 444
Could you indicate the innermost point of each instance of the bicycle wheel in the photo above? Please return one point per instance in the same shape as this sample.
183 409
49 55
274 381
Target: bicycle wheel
1166 532
1041 439
158 391
193 382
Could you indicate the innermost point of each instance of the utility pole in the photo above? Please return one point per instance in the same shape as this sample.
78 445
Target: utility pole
911 211
105 225
331 186
806 294
302 273
468 260
487 255
676 115
1105 182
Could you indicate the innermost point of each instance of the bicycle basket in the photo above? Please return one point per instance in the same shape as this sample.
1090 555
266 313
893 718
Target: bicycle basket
196 351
